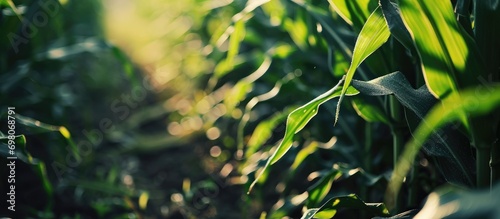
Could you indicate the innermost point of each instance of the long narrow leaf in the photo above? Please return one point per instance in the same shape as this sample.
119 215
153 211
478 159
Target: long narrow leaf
354 13
472 102
298 119
320 189
264 130
419 101
449 58
332 206
236 34
369 112
392 16
35 126
374 34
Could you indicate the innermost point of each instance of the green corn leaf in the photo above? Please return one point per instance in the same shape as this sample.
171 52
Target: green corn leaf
396 26
355 13
304 153
374 34
417 100
236 34
332 206
290 203
329 31
298 30
22 154
237 94
310 213
34 126
298 119
254 101
275 10
235 40
369 112
41 171
420 101
472 102
450 151
320 189
449 57
263 132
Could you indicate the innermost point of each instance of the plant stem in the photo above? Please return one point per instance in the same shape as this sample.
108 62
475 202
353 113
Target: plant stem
397 138
368 146
367 156
495 163
412 196
396 130
483 166
366 163
463 15
483 137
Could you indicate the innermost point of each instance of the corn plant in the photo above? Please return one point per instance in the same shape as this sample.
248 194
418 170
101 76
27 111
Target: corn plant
53 62
421 75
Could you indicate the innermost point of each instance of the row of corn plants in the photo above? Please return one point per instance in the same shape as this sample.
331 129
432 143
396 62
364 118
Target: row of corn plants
369 105
59 76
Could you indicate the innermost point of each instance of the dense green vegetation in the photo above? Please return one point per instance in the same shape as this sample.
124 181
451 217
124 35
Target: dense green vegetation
251 109
398 46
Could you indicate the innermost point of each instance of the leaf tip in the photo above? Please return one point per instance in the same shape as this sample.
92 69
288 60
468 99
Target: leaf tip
64 132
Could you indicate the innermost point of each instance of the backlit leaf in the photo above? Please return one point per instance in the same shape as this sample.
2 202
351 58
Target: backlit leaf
238 34
35 126
298 119
330 208
369 112
448 57
263 131
374 34
304 153
298 30
320 189
354 13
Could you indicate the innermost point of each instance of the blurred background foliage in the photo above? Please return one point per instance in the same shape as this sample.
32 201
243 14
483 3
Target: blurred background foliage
171 109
